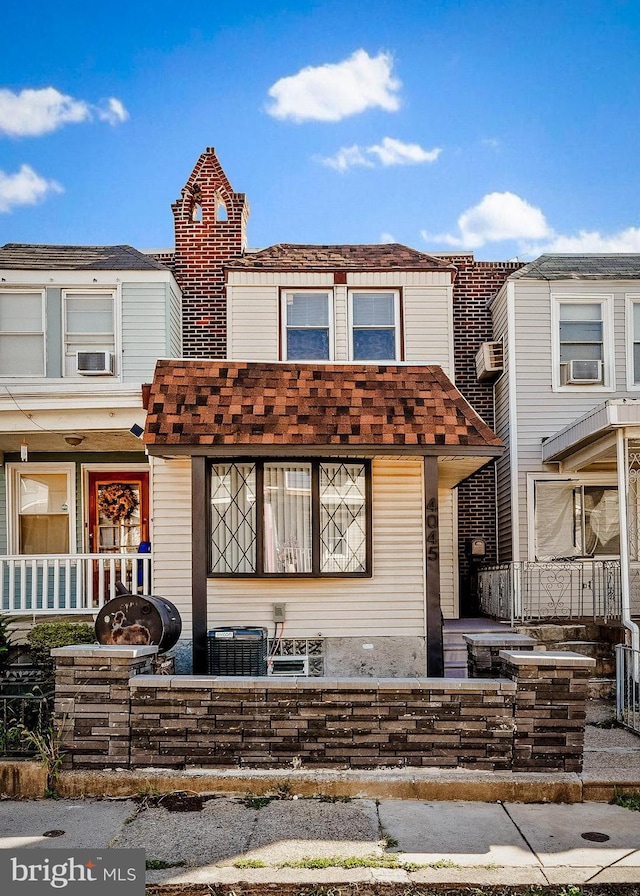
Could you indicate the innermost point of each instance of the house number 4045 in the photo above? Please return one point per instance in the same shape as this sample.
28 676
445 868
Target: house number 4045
432 529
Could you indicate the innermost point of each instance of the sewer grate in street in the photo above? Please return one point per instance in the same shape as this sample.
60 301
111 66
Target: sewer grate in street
595 836
54 833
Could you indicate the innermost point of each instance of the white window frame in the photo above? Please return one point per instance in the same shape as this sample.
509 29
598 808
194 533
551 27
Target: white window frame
14 472
396 323
603 479
42 332
608 360
91 347
284 293
631 299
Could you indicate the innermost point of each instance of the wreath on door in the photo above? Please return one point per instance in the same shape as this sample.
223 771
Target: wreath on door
117 501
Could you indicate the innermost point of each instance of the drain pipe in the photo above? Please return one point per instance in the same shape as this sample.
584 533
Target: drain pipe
626 619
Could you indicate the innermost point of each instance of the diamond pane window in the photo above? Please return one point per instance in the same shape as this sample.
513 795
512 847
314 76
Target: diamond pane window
233 518
343 518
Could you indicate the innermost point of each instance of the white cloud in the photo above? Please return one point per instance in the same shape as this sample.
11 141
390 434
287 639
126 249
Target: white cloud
32 113
388 152
114 112
394 152
24 188
387 238
505 216
334 91
497 217
590 241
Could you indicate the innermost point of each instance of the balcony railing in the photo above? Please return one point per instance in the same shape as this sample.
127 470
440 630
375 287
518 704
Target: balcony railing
74 583
561 589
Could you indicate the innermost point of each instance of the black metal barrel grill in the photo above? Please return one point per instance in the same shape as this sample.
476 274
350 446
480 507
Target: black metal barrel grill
134 619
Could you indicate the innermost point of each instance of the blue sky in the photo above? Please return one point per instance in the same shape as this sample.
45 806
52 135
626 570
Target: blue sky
506 128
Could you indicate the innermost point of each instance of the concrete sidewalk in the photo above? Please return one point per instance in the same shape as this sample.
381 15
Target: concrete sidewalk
226 840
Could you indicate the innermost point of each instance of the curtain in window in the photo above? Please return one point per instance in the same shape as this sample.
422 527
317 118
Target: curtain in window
287 518
43 513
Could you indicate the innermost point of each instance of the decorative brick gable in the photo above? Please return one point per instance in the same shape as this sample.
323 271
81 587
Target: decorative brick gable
210 229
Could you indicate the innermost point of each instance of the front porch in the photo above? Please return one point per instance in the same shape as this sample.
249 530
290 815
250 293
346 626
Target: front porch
38 585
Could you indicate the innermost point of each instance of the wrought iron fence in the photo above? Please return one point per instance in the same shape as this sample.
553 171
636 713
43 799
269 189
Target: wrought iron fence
628 687
23 710
526 591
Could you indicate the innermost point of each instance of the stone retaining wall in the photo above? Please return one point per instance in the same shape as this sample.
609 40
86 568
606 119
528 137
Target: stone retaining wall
114 713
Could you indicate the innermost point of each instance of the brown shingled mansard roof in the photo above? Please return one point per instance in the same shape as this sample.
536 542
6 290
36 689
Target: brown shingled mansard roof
378 257
199 407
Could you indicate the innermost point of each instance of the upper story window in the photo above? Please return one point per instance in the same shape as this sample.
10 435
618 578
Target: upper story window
375 319
307 326
89 327
633 331
22 346
298 518
583 343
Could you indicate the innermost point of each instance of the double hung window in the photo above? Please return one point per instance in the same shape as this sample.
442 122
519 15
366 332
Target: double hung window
374 326
583 332
22 346
306 518
308 326
41 504
633 325
89 325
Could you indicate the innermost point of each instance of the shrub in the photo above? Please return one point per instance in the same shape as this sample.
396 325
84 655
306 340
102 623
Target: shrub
5 640
44 636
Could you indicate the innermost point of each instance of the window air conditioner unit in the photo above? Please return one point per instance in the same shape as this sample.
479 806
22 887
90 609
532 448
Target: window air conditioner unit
577 373
94 363
489 360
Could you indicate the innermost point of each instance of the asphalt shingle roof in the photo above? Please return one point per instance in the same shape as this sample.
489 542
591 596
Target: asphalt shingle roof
18 256
581 267
232 403
378 257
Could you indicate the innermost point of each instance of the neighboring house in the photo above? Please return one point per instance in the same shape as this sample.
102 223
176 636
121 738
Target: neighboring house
80 331
567 408
316 464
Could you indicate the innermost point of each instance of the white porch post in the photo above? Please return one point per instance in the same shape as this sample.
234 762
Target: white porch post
623 491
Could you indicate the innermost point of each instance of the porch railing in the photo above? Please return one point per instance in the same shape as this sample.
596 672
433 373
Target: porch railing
532 590
74 583
628 687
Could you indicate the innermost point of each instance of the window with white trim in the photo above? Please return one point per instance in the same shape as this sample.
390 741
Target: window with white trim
284 518
40 508
89 325
583 332
634 327
307 326
375 319
22 345
574 518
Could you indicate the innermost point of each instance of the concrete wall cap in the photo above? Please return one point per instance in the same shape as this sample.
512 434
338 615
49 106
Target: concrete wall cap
566 659
106 650
496 639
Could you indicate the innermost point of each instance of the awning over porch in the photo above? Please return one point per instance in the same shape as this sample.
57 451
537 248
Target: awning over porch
591 438
226 407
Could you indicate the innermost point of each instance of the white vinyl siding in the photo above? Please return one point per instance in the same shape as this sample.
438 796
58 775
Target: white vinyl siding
428 327
170 511
448 520
253 323
150 329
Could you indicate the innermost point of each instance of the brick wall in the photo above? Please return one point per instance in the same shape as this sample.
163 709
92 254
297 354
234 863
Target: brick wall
210 228
113 713
475 284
